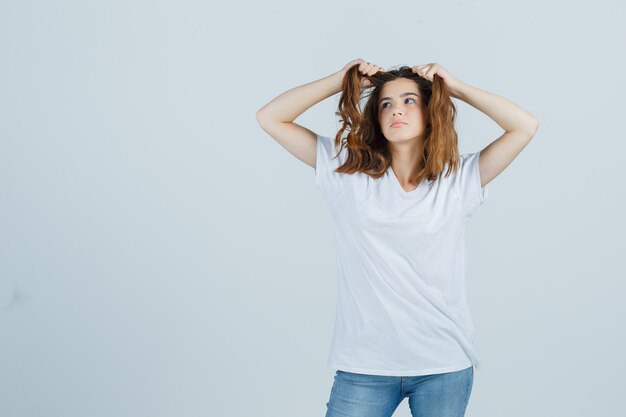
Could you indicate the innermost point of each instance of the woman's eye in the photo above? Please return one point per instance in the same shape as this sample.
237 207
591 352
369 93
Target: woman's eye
409 98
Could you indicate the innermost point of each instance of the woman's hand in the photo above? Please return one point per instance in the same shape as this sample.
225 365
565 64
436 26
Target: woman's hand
365 68
428 71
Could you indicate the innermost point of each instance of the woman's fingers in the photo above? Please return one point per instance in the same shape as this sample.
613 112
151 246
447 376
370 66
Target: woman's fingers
369 68
375 70
364 67
422 69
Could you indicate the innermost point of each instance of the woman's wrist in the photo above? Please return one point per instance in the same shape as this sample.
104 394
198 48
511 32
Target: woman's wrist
337 81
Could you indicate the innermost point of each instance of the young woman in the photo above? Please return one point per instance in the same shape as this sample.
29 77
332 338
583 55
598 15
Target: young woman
400 195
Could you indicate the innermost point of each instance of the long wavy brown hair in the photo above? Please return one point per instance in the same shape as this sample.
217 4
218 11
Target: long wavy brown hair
368 151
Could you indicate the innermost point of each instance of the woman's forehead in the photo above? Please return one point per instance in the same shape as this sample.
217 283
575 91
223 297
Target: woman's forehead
400 85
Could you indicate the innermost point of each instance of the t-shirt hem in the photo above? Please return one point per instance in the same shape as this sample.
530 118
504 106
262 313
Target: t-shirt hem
416 372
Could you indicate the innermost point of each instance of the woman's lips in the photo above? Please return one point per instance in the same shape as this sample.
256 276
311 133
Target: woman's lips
398 124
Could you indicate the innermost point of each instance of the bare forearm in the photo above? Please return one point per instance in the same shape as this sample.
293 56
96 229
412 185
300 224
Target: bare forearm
292 103
505 113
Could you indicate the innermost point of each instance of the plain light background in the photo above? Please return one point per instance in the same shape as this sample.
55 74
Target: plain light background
161 255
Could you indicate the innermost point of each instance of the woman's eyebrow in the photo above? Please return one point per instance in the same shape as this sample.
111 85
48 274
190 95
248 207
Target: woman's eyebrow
401 95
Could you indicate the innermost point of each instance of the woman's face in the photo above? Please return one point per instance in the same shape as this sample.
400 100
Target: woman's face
400 101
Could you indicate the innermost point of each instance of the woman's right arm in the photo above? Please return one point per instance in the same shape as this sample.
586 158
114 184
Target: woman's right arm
276 117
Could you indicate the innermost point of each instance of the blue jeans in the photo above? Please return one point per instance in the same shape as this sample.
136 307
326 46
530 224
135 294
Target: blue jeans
437 395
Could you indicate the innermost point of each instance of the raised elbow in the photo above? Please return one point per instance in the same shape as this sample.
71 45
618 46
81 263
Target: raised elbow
260 116
534 127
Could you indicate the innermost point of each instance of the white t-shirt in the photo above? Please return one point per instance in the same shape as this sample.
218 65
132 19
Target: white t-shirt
401 295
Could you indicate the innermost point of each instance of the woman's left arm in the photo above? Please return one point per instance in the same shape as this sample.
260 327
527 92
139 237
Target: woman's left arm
504 112
519 125
519 128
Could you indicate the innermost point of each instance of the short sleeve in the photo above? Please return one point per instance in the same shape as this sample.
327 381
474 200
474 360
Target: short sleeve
329 182
467 184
